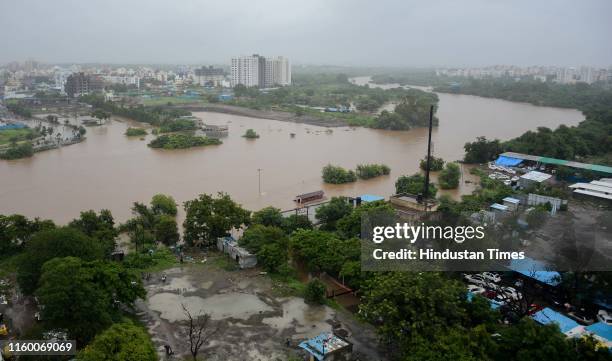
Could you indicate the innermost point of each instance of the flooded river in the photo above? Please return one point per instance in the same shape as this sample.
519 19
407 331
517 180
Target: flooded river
109 170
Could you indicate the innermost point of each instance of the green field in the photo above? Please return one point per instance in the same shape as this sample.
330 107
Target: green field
17 135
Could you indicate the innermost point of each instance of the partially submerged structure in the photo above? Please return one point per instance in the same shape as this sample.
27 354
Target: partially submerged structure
308 197
326 347
244 258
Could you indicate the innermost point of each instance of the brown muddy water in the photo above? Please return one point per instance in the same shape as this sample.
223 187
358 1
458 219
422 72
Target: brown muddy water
109 170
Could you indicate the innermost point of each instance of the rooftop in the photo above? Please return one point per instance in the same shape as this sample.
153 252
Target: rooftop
324 344
554 161
536 176
566 324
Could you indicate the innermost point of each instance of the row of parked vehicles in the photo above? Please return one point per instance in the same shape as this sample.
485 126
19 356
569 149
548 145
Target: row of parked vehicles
488 284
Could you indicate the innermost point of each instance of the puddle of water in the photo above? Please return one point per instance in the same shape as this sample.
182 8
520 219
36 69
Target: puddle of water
179 284
308 320
221 306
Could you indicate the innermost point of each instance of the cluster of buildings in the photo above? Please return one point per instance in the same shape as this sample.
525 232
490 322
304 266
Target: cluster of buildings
561 75
259 71
22 80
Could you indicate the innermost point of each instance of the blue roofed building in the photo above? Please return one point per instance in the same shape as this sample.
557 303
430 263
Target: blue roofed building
567 326
371 198
535 270
601 332
327 347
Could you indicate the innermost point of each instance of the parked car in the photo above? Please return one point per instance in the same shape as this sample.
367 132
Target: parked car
512 293
582 317
477 290
475 279
491 276
534 308
605 317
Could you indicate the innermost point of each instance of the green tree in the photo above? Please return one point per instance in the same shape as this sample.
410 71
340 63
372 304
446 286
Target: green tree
163 204
49 244
166 230
328 214
367 171
337 175
481 150
250 134
82 297
350 225
16 231
413 184
273 256
208 218
268 216
257 235
449 176
120 342
435 164
294 222
408 305
530 341
100 227
315 292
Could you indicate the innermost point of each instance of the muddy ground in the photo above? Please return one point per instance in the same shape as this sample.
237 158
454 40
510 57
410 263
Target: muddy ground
253 318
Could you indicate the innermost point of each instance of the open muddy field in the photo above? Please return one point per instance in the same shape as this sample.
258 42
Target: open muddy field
254 320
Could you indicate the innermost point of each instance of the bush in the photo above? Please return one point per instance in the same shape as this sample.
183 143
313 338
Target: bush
482 150
367 171
24 150
436 164
251 134
182 141
315 292
337 175
135 132
177 125
413 185
449 177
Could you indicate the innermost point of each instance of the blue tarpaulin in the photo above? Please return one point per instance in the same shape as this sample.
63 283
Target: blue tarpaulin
548 316
508 161
536 270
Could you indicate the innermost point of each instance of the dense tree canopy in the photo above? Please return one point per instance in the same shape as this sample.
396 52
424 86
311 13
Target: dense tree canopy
82 297
414 185
328 214
120 342
209 218
49 244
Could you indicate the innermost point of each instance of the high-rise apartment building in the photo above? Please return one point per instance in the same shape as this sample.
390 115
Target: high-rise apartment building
78 84
258 71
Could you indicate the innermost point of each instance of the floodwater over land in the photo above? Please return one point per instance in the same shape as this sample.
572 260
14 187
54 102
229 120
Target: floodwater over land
110 170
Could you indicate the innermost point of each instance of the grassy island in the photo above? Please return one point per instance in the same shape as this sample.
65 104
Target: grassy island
135 132
182 141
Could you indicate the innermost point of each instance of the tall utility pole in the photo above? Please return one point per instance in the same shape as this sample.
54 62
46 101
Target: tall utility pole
426 190
259 178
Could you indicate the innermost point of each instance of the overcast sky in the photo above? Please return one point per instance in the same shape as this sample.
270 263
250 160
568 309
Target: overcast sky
338 32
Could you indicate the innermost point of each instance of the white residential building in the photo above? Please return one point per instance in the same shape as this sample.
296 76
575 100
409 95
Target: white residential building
258 71
277 72
245 70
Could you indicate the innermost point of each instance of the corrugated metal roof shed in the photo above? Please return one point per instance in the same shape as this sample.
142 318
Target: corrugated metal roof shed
555 161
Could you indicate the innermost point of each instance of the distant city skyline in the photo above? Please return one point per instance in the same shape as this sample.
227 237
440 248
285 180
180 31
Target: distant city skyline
398 33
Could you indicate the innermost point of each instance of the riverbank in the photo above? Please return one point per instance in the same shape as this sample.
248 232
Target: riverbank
283 116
